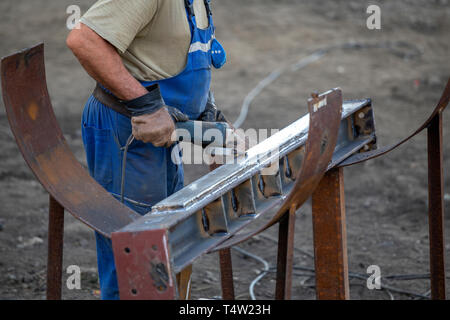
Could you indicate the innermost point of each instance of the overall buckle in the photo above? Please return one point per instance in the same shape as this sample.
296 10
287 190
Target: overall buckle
208 7
189 7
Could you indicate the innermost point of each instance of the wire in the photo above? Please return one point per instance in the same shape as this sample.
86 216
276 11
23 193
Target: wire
315 56
309 272
260 276
124 165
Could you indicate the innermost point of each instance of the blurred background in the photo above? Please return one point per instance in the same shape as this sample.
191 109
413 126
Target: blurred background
403 67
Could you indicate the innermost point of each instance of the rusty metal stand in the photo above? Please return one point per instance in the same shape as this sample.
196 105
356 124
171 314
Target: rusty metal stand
226 274
55 249
285 257
330 238
184 283
436 208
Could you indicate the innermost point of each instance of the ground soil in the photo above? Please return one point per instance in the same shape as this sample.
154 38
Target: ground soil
386 199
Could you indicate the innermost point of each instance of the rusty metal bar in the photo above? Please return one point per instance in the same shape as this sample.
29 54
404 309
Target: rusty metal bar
44 148
285 259
55 249
330 238
436 208
226 274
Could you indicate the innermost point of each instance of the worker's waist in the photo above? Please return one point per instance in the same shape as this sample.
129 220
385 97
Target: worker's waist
110 100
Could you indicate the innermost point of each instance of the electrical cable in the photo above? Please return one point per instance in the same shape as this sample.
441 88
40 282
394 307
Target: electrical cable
260 276
315 56
124 165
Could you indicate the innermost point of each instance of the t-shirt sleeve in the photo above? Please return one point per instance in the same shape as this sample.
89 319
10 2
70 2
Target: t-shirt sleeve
119 21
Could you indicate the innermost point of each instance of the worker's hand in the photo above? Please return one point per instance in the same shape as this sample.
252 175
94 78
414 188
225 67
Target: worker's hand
156 128
211 112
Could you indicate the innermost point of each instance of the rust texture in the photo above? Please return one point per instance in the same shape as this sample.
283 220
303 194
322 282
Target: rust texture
144 267
330 239
55 249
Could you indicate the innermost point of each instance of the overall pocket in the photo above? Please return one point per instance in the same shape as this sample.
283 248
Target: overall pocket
99 145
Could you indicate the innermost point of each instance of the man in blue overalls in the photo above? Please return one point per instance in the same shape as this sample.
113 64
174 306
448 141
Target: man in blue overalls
153 58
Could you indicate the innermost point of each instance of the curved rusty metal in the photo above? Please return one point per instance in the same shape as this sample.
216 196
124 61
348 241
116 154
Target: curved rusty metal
325 118
45 150
361 157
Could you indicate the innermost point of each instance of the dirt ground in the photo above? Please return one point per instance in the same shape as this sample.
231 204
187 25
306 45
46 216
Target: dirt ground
386 199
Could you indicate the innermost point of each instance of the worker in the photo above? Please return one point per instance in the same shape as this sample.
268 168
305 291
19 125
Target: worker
152 61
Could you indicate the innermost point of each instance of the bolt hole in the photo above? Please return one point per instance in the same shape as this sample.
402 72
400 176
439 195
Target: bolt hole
134 291
127 250
155 247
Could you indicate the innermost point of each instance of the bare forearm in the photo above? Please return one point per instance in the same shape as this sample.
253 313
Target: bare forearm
101 60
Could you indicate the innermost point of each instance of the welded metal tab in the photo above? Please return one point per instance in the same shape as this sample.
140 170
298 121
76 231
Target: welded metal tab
45 150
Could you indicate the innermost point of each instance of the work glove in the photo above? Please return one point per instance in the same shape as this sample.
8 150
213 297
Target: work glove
150 119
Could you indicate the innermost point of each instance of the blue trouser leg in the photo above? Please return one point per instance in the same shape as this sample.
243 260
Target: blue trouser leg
150 176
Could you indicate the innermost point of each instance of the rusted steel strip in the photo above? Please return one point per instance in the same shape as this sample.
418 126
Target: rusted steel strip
226 274
364 156
436 208
330 238
55 249
45 150
285 258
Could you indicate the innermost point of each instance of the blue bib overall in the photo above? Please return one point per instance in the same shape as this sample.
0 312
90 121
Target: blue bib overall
151 175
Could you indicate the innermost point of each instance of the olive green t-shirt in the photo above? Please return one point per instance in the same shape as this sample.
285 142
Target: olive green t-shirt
152 36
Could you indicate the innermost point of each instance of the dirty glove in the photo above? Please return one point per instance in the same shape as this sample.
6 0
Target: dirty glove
156 128
146 104
211 113
150 121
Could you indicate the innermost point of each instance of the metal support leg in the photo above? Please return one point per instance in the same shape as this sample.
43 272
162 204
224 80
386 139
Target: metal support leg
436 208
184 283
226 274
285 257
330 238
55 249
226 265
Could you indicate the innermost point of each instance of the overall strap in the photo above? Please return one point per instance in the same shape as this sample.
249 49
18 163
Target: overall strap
189 4
208 7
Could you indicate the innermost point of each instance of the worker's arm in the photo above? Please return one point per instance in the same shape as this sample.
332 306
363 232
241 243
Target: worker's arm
103 63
